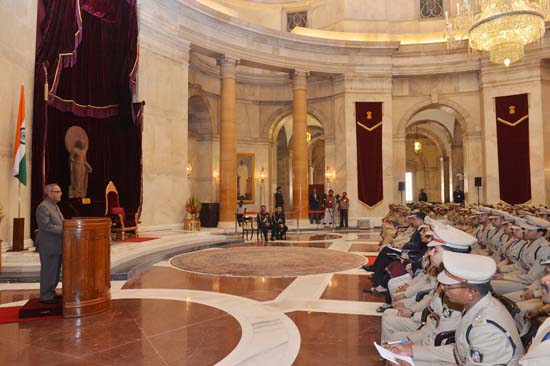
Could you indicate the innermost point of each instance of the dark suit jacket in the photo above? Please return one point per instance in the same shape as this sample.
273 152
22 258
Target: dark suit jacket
50 224
279 201
314 201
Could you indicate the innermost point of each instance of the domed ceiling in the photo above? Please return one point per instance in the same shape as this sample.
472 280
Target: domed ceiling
406 21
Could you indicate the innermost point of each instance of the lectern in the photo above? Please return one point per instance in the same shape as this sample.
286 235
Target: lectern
86 266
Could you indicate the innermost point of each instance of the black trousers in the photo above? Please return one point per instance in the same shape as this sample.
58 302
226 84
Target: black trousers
382 261
315 216
279 232
50 268
264 229
344 218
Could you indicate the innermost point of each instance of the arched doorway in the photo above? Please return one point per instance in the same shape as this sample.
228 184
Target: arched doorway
438 167
282 154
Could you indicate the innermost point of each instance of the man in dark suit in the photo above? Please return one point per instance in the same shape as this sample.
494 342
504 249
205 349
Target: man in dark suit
279 200
458 196
412 251
264 222
423 196
49 242
314 205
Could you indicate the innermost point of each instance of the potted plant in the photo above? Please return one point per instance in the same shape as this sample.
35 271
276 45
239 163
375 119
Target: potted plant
193 207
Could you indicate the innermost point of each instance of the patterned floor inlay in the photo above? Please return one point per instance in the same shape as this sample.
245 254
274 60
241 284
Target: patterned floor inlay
261 289
267 261
336 339
306 237
364 248
325 244
132 332
349 287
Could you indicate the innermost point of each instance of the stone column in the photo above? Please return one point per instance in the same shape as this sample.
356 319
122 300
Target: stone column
162 82
300 156
228 140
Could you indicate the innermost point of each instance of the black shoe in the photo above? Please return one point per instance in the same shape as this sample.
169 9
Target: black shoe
368 290
379 293
49 301
383 308
368 268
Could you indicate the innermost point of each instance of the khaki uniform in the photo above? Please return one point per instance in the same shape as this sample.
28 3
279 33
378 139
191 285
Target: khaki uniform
486 335
538 354
393 323
495 243
483 234
509 251
517 253
528 305
442 319
539 251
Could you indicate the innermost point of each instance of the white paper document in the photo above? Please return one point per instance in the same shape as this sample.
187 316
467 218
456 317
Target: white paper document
390 356
395 249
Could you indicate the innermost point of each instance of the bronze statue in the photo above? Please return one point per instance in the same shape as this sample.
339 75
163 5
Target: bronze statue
76 141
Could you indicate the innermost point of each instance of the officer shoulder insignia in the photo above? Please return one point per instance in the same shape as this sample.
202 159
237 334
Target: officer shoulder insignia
479 319
476 356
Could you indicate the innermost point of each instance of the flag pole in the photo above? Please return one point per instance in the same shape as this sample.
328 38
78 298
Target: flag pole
19 201
20 172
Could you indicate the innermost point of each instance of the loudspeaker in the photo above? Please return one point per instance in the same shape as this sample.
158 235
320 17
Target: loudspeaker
401 186
477 181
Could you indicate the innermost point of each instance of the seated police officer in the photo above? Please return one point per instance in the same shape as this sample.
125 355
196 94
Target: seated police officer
486 334
264 221
279 224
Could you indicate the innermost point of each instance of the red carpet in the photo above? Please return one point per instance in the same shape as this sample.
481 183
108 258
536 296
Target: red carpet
371 259
31 311
136 240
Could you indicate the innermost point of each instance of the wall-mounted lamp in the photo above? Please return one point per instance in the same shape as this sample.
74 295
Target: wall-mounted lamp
262 175
417 144
188 169
330 174
216 174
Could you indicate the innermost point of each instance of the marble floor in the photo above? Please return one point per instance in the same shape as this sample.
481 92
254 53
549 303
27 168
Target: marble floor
168 316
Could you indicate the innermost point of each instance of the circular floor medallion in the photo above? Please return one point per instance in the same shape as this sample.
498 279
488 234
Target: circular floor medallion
267 261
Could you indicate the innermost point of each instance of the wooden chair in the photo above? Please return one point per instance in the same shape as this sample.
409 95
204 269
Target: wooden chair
122 222
249 228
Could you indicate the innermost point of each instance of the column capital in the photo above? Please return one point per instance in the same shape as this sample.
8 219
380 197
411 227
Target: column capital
299 78
228 66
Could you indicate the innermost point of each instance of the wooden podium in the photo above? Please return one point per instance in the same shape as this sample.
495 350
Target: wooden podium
86 266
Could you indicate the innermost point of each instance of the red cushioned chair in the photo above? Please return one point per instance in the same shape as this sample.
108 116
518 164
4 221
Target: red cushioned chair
122 222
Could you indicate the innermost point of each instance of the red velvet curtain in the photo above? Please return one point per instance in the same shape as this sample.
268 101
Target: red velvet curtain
86 63
369 152
514 171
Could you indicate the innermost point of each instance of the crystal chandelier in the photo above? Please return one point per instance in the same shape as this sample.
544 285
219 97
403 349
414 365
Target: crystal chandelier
501 27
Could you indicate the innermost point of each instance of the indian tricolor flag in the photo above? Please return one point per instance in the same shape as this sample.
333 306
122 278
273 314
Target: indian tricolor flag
19 154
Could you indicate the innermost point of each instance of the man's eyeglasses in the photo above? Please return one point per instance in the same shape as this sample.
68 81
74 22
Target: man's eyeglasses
57 191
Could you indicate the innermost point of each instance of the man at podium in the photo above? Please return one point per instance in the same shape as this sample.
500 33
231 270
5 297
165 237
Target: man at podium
49 242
